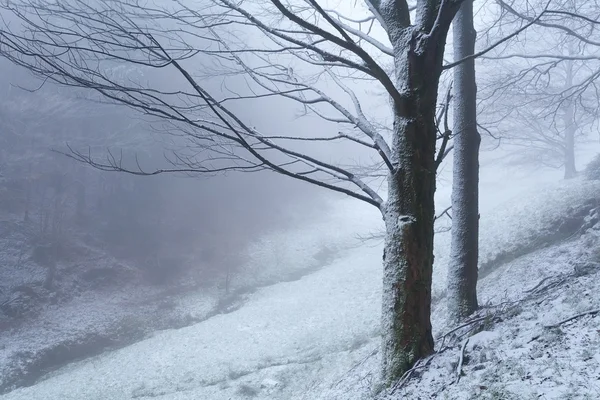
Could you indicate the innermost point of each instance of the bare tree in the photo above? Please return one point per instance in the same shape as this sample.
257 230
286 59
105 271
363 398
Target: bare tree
463 268
543 89
317 58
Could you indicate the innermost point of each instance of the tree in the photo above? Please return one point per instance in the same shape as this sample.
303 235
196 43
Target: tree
304 50
543 89
463 268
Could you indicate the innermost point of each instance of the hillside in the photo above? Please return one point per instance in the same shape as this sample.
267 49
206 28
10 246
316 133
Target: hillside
115 308
317 337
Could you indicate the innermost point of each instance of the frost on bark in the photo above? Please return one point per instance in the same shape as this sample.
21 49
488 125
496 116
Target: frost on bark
409 211
462 271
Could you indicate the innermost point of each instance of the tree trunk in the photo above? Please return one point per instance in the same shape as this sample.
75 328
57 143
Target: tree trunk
50 276
28 183
570 127
570 170
51 264
81 197
409 212
464 253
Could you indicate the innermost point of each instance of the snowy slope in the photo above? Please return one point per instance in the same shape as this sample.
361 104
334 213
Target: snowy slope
286 324
105 319
515 351
527 348
317 337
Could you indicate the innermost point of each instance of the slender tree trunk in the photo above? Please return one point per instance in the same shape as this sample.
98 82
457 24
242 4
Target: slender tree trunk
570 170
28 183
462 271
570 127
52 249
409 213
50 276
81 197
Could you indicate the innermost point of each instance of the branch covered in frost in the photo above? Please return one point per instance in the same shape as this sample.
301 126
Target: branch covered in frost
505 39
564 321
80 44
446 134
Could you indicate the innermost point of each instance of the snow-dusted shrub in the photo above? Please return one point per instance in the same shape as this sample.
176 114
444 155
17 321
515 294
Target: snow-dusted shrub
592 170
24 300
234 374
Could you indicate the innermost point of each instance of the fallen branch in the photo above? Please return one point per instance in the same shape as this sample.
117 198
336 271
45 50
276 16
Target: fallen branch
464 325
532 290
539 289
461 360
422 363
564 321
371 354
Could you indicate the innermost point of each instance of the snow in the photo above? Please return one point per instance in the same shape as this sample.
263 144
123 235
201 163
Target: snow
279 325
119 317
522 355
513 221
519 355
481 340
317 337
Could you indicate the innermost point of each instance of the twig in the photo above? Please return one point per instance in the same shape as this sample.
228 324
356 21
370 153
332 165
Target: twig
371 354
461 360
532 290
498 43
538 289
422 363
471 322
590 312
440 215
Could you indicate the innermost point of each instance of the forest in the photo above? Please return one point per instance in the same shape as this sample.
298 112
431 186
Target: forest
299 199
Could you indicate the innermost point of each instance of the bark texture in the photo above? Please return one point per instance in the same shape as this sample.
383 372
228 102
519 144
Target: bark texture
409 211
464 253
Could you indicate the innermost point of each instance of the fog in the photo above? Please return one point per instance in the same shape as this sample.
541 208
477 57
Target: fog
194 204
185 213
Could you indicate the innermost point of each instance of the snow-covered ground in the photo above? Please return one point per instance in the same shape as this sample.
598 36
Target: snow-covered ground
527 347
317 337
279 328
103 319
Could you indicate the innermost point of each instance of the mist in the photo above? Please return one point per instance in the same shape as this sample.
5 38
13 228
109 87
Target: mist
299 200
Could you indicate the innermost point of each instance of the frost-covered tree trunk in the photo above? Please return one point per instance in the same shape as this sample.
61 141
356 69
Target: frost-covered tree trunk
570 126
409 210
408 254
462 271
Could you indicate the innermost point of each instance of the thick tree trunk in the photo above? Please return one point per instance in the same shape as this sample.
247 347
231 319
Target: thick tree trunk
462 271
409 213
570 127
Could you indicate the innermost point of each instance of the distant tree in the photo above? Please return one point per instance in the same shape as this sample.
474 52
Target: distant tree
542 90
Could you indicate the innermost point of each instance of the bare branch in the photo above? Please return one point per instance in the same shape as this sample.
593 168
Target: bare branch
533 21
